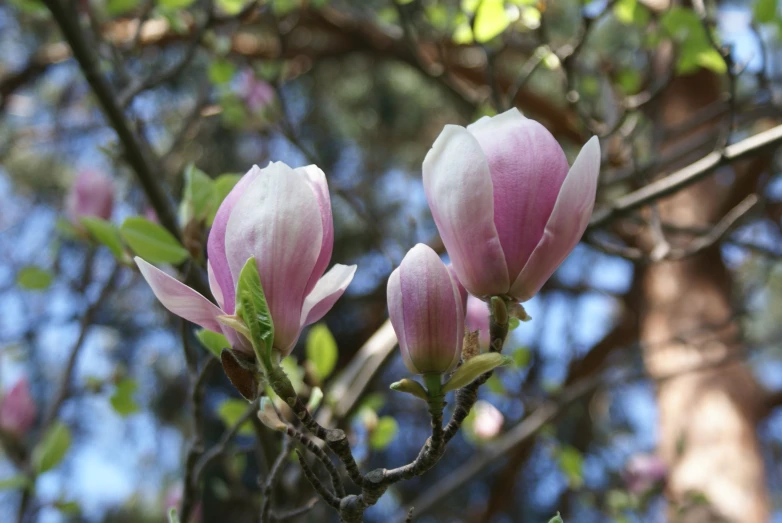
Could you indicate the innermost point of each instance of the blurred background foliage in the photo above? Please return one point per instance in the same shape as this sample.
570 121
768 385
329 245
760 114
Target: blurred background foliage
363 88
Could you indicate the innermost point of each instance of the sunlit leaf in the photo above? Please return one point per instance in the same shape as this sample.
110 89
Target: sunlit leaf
231 411
294 372
68 508
490 20
34 278
198 195
105 233
765 11
175 4
122 400
572 463
556 519
322 350
151 241
384 433
221 71
120 7
213 341
232 7
473 368
52 448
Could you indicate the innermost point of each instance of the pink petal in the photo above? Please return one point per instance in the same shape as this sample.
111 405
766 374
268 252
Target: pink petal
458 188
278 221
217 292
477 319
179 298
18 409
92 194
326 293
567 223
397 317
321 188
215 245
433 316
527 170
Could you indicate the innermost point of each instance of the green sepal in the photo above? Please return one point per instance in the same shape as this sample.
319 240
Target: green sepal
411 387
473 368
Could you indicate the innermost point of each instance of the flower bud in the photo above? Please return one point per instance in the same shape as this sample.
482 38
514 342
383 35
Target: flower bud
18 409
426 312
508 209
92 194
282 218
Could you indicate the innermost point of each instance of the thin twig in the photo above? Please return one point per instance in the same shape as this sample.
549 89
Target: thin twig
271 479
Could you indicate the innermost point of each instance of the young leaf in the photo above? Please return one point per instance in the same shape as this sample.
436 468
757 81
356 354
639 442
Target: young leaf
322 350
251 306
213 341
572 463
14 482
105 233
34 278
473 368
151 241
556 519
122 400
490 20
316 396
52 448
411 387
173 516
384 433
198 195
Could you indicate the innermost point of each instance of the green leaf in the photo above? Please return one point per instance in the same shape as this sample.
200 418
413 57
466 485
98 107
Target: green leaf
495 385
33 7
223 185
513 323
175 4
473 368
213 341
251 306
624 10
52 448
629 80
322 350
284 7
221 71
572 463
711 59
34 278
411 387
173 516
294 372
556 519
120 7
316 396
151 241
122 400
14 482
232 7
68 508
765 11
198 195
522 357
490 20
230 412
105 233
384 433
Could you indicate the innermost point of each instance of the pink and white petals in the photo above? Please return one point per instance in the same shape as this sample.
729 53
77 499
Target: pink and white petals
92 194
566 225
320 187
278 221
326 293
426 312
459 190
179 298
18 409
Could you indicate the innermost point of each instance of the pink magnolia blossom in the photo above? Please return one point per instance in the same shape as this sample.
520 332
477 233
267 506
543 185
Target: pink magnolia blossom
508 209
426 312
488 420
92 194
256 93
282 217
643 472
476 318
18 409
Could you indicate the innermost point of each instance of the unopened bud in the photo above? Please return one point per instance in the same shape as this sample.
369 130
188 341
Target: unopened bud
269 417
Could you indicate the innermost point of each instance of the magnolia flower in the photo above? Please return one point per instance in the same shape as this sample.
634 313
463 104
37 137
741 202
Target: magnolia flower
282 217
508 209
488 420
426 312
643 472
92 194
476 318
18 409
256 93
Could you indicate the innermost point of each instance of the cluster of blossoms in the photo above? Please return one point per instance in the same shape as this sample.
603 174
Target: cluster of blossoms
508 207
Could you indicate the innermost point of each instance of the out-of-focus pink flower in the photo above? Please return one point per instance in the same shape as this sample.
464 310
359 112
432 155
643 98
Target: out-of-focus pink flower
426 312
643 472
256 93
508 209
92 194
488 420
477 319
17 409
151 215
282 217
